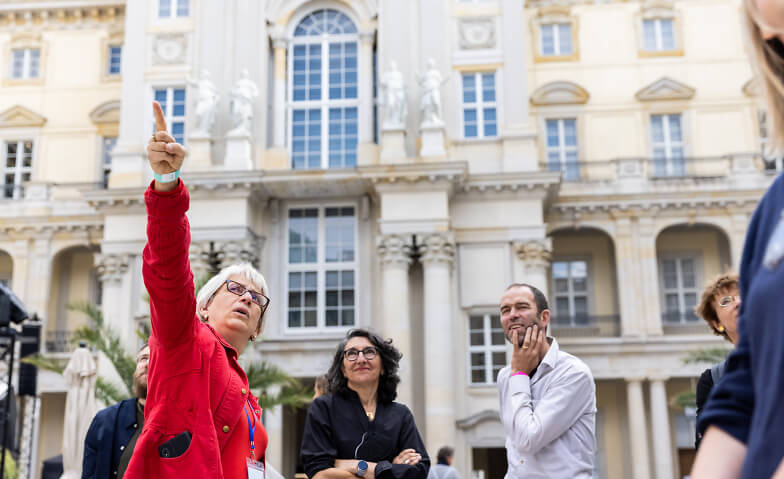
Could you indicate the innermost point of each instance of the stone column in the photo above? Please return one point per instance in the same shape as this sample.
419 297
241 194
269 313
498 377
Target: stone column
273 423
627 267
437 256
39 279
649 276
117 303
395 254
535 256
737 238
638 430
20 255
660 426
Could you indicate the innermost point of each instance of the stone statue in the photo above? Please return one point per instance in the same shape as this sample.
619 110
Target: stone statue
394 99
430 105
242 96
206 102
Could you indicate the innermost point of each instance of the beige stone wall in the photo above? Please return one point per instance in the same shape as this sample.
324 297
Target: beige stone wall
71 283
613 443
6 266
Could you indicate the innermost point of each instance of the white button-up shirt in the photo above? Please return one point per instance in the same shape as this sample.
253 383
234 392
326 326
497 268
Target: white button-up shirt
549 419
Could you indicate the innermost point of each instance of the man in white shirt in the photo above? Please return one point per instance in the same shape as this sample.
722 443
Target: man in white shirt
548 397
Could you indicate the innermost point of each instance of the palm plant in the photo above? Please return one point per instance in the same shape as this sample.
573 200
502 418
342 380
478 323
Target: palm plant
706 356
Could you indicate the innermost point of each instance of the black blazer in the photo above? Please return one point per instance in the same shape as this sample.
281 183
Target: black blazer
106 439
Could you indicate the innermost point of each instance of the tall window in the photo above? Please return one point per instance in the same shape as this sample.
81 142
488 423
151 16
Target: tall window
173 8
562 147
324 92
480 113
486 348
555 39
570 291
25 63
322 267
17 167
680 288
115 60
658 35
108 144
172 102
667 142
772 163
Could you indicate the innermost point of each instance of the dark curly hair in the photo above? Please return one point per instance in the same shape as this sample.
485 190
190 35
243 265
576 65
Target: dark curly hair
390 358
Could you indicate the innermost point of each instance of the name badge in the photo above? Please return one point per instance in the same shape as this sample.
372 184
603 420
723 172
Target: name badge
774 251
255 469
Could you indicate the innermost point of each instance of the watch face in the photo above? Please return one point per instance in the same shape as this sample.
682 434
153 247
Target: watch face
362 465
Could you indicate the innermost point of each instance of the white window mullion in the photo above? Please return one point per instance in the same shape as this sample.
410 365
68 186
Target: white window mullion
562 144
325 102
480 102
658 34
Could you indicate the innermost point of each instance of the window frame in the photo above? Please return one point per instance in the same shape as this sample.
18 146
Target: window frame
556 27
170 119
589 291
173 6
562 149
27 62
325 103
668 145
771 164
18 171
105 169
321 266
699 274
551 15
488 348
480 105
109 62
654 14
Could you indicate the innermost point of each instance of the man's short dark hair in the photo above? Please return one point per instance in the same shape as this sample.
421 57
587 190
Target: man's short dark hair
539 298
445 453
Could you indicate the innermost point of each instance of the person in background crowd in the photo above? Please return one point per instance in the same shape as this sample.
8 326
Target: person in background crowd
719 307
443 469
321 386
112 435
548 397
357 430
201 418
744 427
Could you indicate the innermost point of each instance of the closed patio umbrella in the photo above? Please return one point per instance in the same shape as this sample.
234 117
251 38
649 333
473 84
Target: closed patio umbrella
80 407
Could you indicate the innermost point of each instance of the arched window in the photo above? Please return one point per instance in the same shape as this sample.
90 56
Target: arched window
323 88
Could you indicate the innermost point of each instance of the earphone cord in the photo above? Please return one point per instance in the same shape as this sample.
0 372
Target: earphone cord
360 445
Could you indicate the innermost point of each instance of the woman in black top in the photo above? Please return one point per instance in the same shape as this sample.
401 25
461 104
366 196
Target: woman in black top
357 429
719 307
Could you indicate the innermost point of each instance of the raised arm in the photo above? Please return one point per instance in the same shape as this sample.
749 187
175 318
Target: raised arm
166 268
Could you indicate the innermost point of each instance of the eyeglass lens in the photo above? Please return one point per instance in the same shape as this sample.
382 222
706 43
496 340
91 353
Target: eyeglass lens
239 290
353 354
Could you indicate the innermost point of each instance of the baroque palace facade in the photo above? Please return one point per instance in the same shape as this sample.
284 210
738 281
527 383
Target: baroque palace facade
607 152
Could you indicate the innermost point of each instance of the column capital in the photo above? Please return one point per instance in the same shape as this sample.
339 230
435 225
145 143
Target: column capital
247 250
534 252
394 250
437 248
658 378
635 379
111 267
278 37
367 35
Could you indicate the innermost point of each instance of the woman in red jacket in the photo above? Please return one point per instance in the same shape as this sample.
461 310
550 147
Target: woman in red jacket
200 416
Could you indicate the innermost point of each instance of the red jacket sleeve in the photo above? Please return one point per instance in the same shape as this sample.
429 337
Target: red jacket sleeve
166 270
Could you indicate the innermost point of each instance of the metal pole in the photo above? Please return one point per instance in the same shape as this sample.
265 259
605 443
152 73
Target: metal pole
11 334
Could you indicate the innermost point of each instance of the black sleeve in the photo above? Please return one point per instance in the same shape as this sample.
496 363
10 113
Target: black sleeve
409 439
704 386
91 441
318 451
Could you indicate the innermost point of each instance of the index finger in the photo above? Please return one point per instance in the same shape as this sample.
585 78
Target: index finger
160 121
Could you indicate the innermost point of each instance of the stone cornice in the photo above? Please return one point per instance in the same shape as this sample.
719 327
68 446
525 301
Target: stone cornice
126 200
27 15
652 204
482 416
448 172
533 182
35 227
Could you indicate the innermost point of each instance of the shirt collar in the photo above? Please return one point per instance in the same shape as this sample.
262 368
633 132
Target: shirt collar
551 358
230 351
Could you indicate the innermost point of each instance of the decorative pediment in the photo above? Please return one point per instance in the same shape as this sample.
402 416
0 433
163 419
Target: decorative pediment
108 112
752 88
280 11
665 89
19 116
560 93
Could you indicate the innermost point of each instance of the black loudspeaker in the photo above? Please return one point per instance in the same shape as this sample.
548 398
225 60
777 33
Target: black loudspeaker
30 340
12 310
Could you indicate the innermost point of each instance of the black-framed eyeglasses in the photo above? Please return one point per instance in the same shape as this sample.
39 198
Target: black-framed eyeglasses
353 354
725 301
255 296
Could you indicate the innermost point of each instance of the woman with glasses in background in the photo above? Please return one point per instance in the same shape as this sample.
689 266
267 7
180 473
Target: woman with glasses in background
743 420
357 430
719 308
201 420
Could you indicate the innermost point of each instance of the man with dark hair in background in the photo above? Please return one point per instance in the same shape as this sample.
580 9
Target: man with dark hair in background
444 469
548 397
112 436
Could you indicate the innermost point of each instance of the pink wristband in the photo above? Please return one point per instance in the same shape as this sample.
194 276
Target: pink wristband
519 373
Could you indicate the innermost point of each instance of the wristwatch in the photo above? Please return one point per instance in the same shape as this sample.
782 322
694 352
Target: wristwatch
362 467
